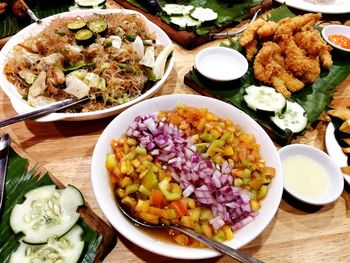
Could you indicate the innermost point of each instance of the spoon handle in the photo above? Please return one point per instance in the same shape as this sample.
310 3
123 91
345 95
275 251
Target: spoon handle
233 253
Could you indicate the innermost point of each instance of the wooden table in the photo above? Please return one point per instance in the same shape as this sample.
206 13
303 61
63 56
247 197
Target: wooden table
296 233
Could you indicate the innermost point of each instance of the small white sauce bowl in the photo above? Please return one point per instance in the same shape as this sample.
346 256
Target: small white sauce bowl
336 30
336 180
221 64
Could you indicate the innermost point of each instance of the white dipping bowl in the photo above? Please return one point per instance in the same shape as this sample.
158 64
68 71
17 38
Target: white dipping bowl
105 196
336 181
221 63
336 30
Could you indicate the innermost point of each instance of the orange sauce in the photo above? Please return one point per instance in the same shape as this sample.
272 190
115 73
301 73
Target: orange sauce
340 40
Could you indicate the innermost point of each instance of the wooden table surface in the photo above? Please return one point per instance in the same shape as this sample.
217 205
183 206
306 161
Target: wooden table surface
297 233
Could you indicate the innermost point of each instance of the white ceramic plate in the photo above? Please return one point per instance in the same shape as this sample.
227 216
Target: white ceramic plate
336 7
221 63
334 150
336 30
335 178
106 200
21 106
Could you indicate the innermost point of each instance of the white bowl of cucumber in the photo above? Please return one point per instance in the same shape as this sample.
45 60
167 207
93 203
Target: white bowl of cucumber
122 90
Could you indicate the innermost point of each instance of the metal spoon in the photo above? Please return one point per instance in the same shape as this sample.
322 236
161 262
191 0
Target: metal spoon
224 35
233 253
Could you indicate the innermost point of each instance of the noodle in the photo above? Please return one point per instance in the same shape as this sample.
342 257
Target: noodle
113 75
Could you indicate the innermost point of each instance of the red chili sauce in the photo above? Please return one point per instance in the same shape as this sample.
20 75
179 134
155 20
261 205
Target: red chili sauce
340 40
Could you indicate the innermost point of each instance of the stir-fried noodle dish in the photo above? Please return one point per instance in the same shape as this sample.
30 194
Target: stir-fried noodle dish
110 58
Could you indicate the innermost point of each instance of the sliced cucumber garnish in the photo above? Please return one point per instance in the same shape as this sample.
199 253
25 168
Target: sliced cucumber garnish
264 99
185 22
84 36
66 249
293 119
46 212
76 25
98 26
204 14
177 10
89 3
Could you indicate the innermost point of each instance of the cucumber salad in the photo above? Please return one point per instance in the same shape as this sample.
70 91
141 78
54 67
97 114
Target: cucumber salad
285 114
188 17
48 221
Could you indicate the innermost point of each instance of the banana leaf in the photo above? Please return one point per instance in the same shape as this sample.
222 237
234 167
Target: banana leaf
10 25
228 11
314 98
20 180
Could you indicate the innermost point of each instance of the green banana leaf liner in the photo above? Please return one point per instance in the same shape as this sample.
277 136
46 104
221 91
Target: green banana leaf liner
314 98
20 180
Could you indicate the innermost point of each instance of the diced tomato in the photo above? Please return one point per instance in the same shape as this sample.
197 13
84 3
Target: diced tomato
157 198
180 206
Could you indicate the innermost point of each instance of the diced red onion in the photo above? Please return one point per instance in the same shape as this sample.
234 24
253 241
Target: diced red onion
210 183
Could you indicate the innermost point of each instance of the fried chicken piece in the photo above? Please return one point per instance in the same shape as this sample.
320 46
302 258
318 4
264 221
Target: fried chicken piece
269 68
305 68
251 49
289 25
3 7
314 46
268 29
251 32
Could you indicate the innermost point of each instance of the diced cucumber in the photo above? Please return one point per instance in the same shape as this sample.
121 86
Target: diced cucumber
46 212
264 99
204 14
89 3
185 22
66 249
293 119
177 10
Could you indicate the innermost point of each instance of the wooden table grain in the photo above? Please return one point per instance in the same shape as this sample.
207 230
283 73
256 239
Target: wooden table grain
296 234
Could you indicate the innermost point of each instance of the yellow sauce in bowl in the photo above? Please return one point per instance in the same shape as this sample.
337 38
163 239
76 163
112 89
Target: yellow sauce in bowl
305 177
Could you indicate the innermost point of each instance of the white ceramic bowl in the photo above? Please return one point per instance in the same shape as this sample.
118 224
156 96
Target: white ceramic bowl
338 30
21 106
221 63
106 200
336 180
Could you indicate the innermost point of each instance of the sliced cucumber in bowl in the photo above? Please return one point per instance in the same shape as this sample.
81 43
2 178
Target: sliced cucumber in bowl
46 212
66 249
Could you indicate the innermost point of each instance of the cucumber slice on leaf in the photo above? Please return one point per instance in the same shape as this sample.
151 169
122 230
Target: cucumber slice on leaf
66 249
89 3
177 10
293 119
185 22
264 99
204 14
46 212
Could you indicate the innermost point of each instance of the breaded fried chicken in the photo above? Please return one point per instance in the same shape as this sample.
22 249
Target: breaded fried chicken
269 68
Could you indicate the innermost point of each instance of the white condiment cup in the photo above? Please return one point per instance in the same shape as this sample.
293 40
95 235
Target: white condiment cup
336 30
336 180
221 64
